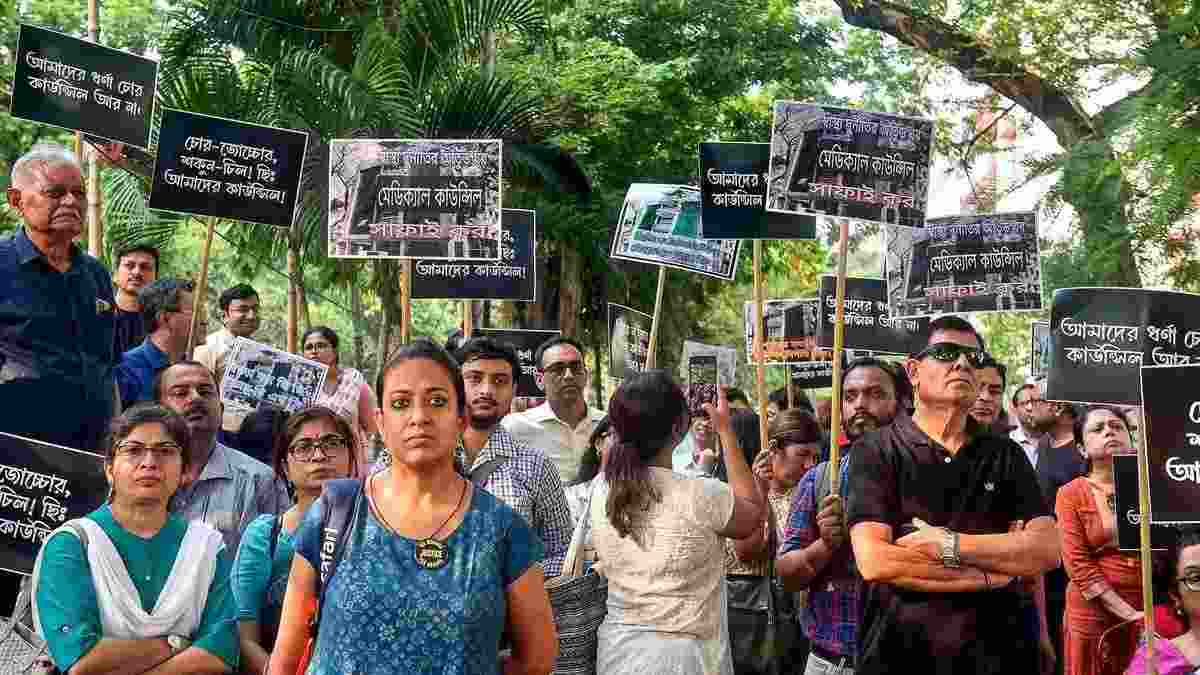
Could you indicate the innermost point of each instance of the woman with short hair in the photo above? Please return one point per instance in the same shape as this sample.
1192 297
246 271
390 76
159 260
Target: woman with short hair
315 446
130 587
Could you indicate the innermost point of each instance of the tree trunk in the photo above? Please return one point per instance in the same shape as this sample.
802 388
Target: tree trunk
1092 178
356 319
569 282
302 295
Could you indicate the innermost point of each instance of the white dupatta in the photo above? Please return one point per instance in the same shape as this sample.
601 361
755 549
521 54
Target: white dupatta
181 602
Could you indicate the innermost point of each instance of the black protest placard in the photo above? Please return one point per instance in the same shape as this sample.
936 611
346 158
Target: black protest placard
702 383
212 166
513 277
628 341
817 374
660 224
1127 510
256 374
733 192
415 198
984 263
1039 349
79 85
526 342
1099 337
850 163
868 323
1172 421
41 487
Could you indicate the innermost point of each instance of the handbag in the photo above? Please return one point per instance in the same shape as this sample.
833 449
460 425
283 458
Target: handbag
342 503
579 599
762 617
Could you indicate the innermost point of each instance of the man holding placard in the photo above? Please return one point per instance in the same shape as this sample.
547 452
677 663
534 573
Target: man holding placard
240 314
933 508
56 310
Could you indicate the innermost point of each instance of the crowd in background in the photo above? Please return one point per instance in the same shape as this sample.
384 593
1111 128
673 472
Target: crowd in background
411 526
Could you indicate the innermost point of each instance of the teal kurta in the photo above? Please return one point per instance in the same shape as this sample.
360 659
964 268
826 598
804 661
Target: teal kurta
68 610
259 582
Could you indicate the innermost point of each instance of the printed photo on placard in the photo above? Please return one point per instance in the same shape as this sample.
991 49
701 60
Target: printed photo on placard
1039 349
256 374
42 486
513 277
868 324
789 331
660 225
74 84
212 166
835 161
415 198
526 342
703 379
733 189
628 341
727 359
985 263
1099 337
1171 408
1128 514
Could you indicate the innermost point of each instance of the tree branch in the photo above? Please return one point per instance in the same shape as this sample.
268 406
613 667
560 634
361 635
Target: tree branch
973 58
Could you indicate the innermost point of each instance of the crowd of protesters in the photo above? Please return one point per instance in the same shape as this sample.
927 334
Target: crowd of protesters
962 537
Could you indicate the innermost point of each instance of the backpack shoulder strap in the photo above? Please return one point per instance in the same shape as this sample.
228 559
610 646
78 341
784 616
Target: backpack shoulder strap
340 497
484 471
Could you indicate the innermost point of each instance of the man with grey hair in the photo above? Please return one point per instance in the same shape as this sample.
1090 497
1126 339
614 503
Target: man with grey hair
56 310
167 312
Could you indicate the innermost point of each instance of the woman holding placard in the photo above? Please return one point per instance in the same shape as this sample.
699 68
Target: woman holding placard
659 536
315 446
130 587
1105 591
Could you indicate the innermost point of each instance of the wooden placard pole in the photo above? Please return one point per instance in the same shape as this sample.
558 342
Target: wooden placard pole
839 326
293 294
653 346
468 320
1144 536
200 297
405 299
94 222
760 374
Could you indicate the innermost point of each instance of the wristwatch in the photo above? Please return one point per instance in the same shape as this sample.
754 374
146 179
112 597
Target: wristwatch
950 549
178 643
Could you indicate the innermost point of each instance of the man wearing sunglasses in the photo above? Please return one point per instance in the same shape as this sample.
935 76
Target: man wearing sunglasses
934 509
562 425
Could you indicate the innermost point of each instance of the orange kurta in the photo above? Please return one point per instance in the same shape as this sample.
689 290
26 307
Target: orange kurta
1094 565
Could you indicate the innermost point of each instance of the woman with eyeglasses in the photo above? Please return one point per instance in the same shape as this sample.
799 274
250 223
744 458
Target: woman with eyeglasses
316 445
1177 577
1105 590
346 391
432 572
131 588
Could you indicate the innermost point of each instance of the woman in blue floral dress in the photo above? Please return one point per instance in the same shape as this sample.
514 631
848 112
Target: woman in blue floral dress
432 572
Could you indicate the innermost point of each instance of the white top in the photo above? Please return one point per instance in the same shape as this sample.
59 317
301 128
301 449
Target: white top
673 581
541 429
1029 445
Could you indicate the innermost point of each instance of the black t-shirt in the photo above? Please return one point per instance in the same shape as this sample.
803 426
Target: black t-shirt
129 331
898 473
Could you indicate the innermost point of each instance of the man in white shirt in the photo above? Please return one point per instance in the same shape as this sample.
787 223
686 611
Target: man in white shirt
1028 405
561 426
240 314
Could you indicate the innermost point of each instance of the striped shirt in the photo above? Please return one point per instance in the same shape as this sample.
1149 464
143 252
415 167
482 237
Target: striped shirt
231 491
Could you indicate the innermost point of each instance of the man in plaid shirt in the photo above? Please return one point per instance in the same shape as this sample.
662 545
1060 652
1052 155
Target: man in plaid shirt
515 473
815 553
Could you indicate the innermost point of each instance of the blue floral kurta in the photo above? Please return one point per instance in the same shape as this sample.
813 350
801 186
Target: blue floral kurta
386 614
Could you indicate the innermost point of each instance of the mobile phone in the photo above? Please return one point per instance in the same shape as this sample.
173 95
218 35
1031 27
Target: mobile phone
702 382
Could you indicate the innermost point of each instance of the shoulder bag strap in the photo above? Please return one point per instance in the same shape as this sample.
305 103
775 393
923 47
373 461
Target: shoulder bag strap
484 471
341 505
573 562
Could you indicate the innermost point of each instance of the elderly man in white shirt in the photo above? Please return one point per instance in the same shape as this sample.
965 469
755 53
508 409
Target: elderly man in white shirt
561 426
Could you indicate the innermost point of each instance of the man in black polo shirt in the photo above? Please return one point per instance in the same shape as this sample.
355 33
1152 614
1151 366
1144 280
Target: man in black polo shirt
942 518
56 310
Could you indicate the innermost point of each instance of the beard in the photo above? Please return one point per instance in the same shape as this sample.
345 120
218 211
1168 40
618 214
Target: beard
861 424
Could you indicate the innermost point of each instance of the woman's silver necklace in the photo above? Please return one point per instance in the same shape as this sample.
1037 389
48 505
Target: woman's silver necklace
431 553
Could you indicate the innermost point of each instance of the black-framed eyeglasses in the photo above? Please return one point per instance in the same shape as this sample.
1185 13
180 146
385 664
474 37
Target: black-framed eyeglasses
331 445
160 451
1192 583
560 370
949 352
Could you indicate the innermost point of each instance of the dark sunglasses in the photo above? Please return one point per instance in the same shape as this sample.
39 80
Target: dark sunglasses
949 352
